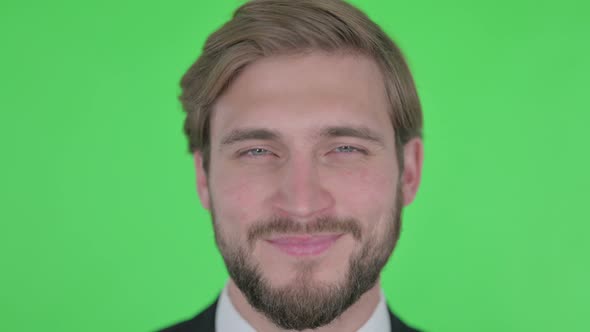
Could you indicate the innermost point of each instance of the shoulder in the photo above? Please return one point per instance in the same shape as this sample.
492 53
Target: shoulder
397 325
203 322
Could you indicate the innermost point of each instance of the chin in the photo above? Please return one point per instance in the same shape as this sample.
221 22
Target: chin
304 275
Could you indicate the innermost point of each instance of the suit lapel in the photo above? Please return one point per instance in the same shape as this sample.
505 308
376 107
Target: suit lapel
397 325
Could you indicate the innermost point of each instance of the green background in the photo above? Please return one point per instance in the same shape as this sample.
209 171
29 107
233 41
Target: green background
102 230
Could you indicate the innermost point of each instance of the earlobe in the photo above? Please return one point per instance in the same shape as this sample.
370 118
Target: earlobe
413 157
202 181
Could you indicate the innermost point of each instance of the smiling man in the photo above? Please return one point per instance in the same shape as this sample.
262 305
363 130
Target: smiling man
305 126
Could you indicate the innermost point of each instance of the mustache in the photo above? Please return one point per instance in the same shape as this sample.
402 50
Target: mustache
286 225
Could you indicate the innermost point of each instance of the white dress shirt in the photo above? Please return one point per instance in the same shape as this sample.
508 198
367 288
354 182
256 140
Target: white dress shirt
227 318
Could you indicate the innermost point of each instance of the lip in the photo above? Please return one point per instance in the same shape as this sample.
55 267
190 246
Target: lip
304 245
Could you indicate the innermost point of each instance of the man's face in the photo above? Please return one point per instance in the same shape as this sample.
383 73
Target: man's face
304 184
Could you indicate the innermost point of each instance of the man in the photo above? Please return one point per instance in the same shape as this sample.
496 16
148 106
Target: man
305 126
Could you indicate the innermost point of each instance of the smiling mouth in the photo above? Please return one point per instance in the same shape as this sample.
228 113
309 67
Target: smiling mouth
304 245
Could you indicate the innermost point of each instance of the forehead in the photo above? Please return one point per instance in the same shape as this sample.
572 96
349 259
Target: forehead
304 91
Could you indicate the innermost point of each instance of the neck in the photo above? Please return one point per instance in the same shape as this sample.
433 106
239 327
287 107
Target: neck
351 320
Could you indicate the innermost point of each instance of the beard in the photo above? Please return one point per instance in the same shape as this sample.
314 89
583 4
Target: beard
306 303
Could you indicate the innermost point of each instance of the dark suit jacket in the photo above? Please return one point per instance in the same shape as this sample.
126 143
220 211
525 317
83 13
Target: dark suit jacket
205 322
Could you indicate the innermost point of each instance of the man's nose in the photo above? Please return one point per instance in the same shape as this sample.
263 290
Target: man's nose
300 191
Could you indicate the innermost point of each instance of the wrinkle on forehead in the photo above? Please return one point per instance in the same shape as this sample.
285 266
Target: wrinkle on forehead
331 89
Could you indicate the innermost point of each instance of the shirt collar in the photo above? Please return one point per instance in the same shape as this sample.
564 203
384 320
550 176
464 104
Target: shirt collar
227 318
379 320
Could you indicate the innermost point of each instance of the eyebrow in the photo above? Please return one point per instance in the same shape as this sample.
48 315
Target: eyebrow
238 135
364 133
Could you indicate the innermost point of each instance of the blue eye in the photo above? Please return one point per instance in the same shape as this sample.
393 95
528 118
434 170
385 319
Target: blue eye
347 149
255 152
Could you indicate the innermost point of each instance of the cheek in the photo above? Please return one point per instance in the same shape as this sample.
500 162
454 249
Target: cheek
367 194
238 199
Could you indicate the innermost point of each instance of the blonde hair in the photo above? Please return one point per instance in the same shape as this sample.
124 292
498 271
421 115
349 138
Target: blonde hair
262 28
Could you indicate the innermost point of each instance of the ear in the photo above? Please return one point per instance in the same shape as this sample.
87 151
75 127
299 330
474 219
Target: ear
413 156
202 183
